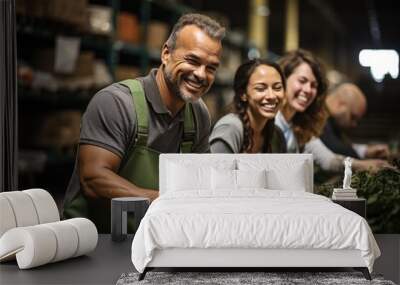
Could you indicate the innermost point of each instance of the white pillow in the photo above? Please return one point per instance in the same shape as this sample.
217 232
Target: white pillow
251 178
223 179
183 177
284 173
226 179
293 181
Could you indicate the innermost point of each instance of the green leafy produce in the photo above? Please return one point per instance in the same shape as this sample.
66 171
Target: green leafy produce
382 192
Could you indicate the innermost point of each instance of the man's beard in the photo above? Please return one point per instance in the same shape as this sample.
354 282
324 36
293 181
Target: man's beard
173 85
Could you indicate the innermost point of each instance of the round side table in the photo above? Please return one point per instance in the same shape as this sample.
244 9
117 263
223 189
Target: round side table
119 209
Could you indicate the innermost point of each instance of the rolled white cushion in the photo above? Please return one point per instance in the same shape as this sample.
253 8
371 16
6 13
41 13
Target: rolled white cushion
66 238
87 235
45 205
7 218
33 246
23 208
40 244
26 208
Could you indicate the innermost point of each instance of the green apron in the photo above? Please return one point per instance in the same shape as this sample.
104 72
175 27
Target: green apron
139 166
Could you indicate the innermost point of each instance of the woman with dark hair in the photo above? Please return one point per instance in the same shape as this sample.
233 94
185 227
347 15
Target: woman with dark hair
259 87
304 113
304 107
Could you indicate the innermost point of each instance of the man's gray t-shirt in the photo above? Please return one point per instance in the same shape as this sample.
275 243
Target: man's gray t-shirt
110 122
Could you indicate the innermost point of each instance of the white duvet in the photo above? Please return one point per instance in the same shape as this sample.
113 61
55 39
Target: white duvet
256 218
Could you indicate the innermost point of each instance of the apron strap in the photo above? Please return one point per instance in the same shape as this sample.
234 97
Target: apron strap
189 132
142 113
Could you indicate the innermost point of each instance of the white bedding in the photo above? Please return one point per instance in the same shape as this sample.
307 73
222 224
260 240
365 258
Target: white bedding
252 218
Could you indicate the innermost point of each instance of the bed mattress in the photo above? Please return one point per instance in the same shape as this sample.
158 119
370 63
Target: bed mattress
251 219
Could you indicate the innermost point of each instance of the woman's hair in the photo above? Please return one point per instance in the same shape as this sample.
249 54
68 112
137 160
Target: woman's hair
240 83
310 122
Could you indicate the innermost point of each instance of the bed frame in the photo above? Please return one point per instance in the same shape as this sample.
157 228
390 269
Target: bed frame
246 259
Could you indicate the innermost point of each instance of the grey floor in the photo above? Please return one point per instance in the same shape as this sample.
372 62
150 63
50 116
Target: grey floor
106 264
102 266
389 262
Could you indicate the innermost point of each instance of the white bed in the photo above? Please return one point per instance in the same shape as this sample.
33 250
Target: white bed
219 210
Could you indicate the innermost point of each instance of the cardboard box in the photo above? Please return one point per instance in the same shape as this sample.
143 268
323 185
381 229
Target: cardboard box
70 12
37 8
59 130
128 28
44 61
85 64
157 33
20 7
65 11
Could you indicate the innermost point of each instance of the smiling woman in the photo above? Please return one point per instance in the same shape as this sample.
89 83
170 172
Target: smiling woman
303 114
304 108
259 87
